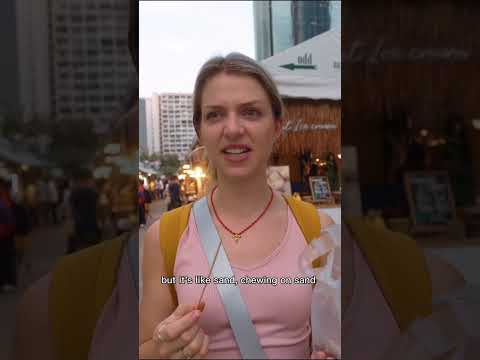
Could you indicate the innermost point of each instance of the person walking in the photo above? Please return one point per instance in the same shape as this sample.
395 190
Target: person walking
141 204
160 188
174 193
42 188
52 201
83 203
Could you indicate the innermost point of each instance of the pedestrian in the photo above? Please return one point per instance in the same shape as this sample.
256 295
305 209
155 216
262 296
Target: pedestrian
31 202
83 203
65 204
43 195
8 276
52 201
159 187
104 204
141 204
174 193
152 186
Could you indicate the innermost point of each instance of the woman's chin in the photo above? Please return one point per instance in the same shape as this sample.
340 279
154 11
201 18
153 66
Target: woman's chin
239 173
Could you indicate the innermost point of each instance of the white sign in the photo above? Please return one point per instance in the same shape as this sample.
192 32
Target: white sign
311 69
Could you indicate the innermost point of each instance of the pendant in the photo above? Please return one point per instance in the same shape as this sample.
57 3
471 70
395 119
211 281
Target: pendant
236 237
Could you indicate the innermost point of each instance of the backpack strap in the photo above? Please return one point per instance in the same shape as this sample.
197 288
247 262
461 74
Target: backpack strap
73 311
309 222
172 225
399 267
307 217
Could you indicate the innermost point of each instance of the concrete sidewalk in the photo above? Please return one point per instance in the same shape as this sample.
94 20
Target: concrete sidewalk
157 208
45 245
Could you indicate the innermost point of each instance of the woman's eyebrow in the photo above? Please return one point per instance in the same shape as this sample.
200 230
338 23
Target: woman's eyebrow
215 106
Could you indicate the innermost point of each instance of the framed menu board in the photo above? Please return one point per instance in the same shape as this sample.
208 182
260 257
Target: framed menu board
430 199
320 189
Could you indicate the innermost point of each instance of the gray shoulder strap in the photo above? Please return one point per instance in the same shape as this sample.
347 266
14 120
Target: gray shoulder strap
237 313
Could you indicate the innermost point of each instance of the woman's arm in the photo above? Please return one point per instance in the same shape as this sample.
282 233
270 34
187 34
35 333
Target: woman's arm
156 301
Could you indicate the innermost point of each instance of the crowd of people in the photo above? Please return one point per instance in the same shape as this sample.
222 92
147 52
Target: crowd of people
89 205
169 189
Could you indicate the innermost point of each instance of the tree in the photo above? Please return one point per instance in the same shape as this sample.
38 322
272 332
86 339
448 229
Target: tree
143 155
169 164
74 145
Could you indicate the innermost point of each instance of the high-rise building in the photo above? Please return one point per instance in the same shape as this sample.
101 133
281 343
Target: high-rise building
142 125
176 128
28 61
149 124
280 25
155 137
9 92
166 124
91 70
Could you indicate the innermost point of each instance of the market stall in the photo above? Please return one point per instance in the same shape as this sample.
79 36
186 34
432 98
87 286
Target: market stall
308 156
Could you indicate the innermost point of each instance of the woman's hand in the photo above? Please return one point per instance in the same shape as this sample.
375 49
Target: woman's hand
179 336
321 355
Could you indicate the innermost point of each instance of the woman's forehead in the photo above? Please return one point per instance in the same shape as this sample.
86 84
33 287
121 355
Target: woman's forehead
224 88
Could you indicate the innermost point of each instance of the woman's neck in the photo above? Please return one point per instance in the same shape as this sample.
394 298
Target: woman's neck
242 198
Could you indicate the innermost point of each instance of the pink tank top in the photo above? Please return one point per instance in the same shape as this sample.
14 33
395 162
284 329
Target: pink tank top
280 314
368 325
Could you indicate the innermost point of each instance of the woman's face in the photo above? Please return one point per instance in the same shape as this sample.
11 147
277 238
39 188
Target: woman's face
237 126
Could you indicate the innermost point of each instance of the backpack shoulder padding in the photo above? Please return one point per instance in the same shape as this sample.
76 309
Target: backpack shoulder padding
399 267
172 225
81 285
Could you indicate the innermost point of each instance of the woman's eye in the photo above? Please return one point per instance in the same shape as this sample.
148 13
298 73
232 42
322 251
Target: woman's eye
251 113
213 115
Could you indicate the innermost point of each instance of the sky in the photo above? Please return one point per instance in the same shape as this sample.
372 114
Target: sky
177 37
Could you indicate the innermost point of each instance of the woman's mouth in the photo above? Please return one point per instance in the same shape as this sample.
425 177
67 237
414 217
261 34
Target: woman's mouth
236 153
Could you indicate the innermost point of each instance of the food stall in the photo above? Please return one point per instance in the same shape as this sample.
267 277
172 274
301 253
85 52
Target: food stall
308 156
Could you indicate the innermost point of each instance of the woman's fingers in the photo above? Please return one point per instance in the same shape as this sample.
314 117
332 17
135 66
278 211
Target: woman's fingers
321 355
174 328
186 338
202 354
191 350
194 347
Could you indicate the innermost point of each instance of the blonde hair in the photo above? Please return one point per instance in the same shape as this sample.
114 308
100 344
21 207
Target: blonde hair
233 63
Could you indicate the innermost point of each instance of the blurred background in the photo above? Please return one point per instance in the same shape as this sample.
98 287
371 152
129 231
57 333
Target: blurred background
68 136
411 129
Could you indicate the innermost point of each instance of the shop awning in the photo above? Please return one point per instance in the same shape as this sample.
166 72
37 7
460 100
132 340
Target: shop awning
14 154
311 69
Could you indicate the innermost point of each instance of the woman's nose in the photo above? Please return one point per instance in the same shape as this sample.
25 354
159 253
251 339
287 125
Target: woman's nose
233 125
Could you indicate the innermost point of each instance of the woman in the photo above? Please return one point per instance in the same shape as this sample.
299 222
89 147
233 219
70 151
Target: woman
238 118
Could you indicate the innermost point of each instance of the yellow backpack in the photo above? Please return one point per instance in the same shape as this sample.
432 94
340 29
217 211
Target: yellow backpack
399 267
83 282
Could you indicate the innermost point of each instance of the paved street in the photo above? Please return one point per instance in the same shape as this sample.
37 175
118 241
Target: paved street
157 208
45 245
